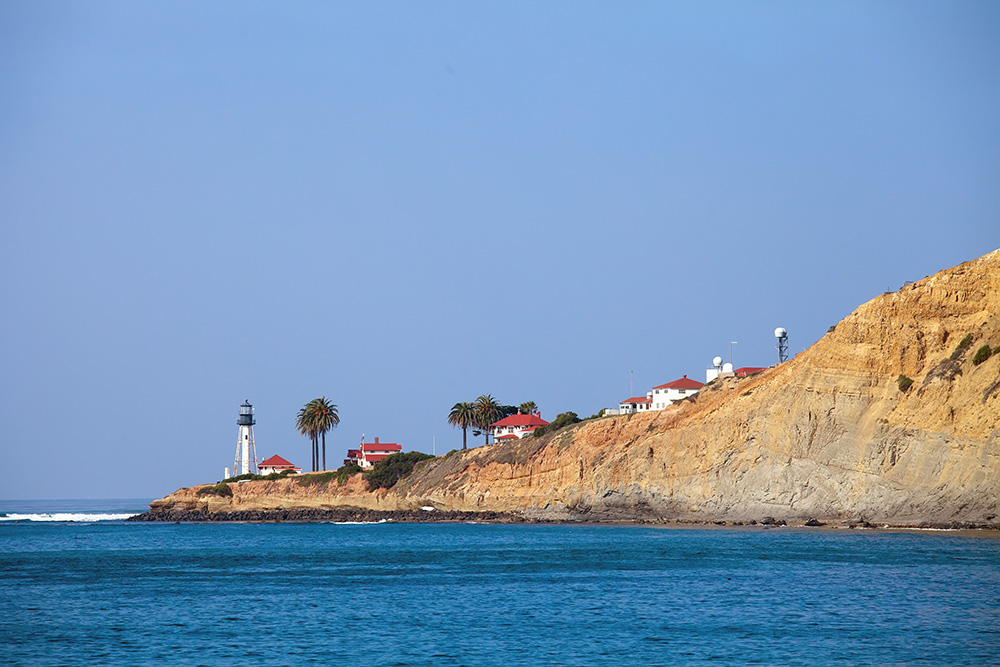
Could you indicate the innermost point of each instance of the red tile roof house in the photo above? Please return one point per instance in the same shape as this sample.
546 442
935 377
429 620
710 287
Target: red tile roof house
666 394
634 404
370 453
276 464
747 371
516 426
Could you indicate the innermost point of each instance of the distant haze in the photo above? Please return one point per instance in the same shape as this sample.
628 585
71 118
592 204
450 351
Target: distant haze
404 205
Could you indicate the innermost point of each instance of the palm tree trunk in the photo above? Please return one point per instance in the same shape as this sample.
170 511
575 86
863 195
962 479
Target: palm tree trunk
464 429
324 450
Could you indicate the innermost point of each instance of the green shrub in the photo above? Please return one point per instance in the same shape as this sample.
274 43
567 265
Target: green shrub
345 471
220 489
391 469
252 477
561 420
982 354
962 347
313 478
903 382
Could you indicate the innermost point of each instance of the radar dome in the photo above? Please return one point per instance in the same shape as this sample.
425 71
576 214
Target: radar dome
717 362
727 367
780 333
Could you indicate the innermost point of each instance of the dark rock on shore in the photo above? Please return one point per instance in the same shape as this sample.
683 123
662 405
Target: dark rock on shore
337 515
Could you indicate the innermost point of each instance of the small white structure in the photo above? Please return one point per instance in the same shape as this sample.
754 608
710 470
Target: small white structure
666 394
246 450
715 370
369 453
277 464
516 426
635 404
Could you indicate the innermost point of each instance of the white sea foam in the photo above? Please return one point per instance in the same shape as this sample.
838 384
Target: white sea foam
78 517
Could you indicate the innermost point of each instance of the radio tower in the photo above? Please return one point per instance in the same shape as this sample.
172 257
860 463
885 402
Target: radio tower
782 345
246 450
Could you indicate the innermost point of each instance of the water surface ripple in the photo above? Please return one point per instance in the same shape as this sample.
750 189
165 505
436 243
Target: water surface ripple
473 594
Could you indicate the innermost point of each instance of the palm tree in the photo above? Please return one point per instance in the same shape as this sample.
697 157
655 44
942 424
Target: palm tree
315 419
462 415
488 411
305 426
527 408
324 418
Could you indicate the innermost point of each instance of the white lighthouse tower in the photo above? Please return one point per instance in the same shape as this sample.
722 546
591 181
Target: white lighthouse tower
246 450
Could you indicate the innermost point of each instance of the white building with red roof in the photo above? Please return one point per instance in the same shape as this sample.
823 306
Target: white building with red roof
666 394
369 453
635 404
276 464
660 397
516 426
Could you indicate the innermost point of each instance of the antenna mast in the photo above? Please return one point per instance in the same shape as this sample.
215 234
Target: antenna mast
782 345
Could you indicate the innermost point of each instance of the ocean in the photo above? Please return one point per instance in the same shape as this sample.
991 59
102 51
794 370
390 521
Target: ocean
98 590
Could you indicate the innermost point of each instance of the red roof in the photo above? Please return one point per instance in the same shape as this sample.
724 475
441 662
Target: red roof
521 420
638 399
375 458
509 436
380 447
684 383
353 453
276 462
748 370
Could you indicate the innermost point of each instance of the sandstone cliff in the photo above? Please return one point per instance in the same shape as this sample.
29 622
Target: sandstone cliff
828 434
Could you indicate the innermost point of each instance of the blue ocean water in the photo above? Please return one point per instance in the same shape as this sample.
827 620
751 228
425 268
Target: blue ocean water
111 592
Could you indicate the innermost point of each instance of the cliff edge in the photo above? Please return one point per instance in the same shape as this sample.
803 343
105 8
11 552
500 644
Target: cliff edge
828 435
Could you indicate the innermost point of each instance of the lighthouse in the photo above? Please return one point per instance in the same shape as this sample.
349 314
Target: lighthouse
246 451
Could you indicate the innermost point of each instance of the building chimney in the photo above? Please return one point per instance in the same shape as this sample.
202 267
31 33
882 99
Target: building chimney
376 439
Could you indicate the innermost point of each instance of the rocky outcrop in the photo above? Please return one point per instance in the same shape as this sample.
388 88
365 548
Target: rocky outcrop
828 435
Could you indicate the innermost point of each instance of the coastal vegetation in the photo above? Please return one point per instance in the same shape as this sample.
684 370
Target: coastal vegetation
251 477
462 415
482 413
391 469
487 412
982 354
345 471
562 419
316 418
904 382
220 489
962 347
315 478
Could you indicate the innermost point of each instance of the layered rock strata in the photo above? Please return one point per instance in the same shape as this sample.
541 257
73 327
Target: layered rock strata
828 435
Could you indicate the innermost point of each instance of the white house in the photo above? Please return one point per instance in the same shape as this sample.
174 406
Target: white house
635 404
516 426
665 394
370 453
276 464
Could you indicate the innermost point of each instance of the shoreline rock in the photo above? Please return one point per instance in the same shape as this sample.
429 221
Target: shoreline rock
354 515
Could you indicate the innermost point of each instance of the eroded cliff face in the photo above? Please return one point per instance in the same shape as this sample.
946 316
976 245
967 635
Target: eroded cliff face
828 435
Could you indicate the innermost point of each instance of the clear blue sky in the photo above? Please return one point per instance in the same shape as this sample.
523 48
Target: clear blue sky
401 205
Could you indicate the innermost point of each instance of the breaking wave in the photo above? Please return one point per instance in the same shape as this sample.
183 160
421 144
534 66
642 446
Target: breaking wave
65 517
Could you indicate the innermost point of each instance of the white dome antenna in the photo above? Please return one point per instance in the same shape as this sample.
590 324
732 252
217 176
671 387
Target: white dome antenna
782 335
717 362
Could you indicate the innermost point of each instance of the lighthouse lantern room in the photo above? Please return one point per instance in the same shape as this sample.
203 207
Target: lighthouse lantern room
246 450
